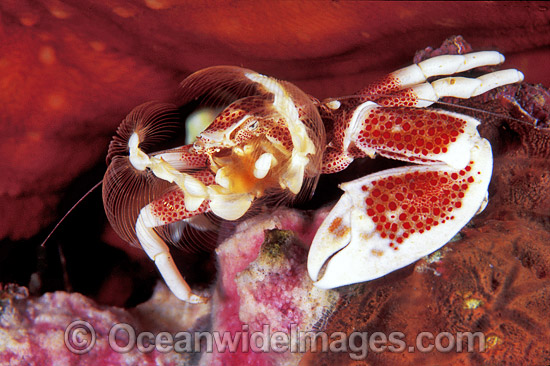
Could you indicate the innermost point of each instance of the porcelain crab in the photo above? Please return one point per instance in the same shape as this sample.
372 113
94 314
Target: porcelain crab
269 142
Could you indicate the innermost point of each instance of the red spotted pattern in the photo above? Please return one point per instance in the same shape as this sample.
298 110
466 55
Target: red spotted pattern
190 157
335 161
261 111
396 129
383 87
402 98
280 133
416 202
336 122
171 207
227 118
235 112
386 91
409 131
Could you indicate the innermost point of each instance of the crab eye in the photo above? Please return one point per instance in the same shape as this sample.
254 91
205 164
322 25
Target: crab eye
253 126
198 145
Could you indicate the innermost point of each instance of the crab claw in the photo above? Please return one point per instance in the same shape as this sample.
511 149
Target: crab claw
388 220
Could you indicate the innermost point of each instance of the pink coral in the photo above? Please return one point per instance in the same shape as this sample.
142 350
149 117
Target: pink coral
70 329
264 282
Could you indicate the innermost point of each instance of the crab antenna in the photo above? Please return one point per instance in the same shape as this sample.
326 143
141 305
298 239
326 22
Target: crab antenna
70 210
473 109
329 100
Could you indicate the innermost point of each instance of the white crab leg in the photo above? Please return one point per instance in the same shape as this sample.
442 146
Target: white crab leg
408 87
460 87
158 251
390 219
445 65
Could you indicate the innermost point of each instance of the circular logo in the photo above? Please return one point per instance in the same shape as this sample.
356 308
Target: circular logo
80 337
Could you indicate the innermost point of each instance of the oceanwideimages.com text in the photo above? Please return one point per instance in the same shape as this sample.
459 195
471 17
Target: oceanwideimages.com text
80 338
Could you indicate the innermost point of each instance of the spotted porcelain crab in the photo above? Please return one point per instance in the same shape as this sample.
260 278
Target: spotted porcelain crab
267 145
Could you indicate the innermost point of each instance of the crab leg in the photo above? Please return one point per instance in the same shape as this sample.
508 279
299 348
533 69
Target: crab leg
378 212
195 194
185 201
435 66
425 94
158 251
167 209
224 204
408 86
365 127
390 219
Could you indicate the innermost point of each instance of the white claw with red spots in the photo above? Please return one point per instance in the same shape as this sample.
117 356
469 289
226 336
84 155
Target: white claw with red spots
388 220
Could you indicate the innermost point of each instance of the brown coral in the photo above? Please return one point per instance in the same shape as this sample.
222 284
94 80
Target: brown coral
493 281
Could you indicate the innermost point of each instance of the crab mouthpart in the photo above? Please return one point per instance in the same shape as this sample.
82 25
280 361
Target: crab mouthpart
263 165
222 178
194 191
226 205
